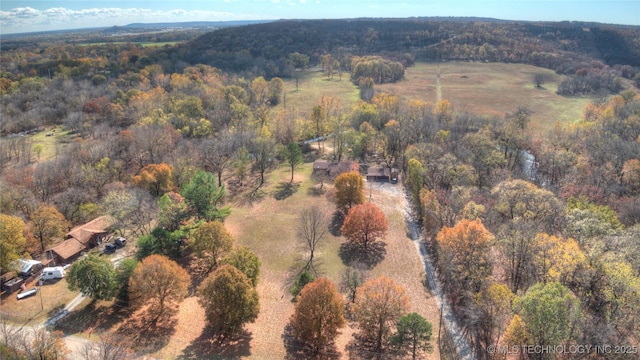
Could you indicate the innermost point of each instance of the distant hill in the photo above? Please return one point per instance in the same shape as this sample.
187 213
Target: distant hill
194 24
554 45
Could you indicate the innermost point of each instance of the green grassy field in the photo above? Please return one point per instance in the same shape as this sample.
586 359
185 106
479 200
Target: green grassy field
490 89
313 85
52 144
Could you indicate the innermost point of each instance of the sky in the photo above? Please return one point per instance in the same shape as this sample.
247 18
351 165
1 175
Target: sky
20 16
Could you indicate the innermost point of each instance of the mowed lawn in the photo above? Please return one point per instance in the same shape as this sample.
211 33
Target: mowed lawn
491 89
268 226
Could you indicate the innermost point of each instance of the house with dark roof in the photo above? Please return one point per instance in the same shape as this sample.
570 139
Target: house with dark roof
79 239
321 167
92 233
381 173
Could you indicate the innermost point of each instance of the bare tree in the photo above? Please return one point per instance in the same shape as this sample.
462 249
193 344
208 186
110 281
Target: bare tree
264 152
109 347
217 153
312 227
351 278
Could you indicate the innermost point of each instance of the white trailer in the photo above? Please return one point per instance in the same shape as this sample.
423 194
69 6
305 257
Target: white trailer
50 273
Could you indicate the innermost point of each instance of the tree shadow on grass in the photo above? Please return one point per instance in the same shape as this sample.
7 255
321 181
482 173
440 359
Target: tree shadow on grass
360 348
213 345
297 350
336 223
316 190
198 269
369 256
147 332
92 318
285 189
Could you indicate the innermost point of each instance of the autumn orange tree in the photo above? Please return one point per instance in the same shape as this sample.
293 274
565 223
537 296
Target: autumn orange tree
212 240
364 224
158 280
349 190
464 253
380 302
318 314
229 299
48 224
157 178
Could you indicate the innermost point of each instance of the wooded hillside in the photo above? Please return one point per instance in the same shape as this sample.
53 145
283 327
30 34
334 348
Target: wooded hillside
563 47
529 227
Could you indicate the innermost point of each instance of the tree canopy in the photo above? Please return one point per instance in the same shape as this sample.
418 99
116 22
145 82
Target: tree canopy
349 190
159 281
229 299
380 302
414 334
318 314
364 224
202 194
95 277
550 313
245 260
212 241
13 244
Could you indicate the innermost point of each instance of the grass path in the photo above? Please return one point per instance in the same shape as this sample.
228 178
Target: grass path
438 86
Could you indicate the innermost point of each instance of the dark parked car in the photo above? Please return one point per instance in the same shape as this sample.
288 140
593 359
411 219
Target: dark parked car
109 248
120 241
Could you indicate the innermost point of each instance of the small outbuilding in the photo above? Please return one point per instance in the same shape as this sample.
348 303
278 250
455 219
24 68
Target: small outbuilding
28 267
321 167
381 173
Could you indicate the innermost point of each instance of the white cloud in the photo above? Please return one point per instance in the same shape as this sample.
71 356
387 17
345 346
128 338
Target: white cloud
26 19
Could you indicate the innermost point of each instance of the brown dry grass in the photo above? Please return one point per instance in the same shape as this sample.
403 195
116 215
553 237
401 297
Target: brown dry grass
46 302
491 89
267 226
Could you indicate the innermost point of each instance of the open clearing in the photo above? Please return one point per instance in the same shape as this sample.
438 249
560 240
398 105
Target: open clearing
490 89
313 84
268 226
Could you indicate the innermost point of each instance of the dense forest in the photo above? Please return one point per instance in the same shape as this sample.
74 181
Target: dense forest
547 253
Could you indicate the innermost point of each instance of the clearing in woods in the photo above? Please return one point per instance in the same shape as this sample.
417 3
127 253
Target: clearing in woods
490 89
268 227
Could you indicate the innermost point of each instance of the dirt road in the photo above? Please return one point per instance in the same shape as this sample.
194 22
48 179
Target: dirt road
449 319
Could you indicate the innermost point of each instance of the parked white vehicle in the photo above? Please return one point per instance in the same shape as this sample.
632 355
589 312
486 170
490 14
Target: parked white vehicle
50 273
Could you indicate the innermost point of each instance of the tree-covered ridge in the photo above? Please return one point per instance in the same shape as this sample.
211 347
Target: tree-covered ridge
559 46
162 151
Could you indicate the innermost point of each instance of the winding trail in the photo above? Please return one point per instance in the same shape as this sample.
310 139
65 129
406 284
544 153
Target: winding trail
449 319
